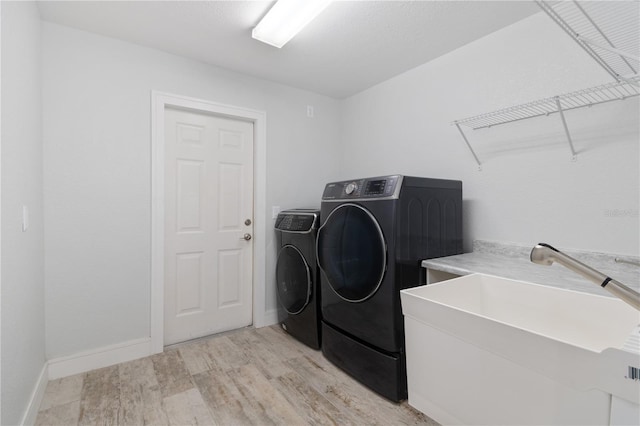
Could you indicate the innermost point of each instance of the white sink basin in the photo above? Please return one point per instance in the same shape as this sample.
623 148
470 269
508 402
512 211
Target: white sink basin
488 350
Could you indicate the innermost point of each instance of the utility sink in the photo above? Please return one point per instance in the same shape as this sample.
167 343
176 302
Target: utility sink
487 350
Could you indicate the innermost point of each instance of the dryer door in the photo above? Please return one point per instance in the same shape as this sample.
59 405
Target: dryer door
352 252
293 279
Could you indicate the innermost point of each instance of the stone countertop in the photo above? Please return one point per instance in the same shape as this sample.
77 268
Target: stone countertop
512 261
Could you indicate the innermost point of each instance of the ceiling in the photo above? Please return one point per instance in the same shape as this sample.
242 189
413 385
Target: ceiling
351 46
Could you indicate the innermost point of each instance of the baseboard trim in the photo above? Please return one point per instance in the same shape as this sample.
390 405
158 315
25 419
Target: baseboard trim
99 358
31 413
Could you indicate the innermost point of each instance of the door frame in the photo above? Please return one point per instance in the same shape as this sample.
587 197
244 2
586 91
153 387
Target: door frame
160 101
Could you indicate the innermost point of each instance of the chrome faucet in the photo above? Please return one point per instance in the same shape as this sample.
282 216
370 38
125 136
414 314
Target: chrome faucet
544 254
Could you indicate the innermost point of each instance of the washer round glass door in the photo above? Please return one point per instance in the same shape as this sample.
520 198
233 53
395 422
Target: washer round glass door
352 252
293 279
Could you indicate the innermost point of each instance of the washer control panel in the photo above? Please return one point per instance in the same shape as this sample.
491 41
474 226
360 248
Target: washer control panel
293 221
369 188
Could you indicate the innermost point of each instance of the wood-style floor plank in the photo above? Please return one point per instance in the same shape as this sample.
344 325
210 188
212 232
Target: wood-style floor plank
187 408
311 404
225 402
63 414
266 404
171 372
259 354
197 357
225 354
100 401
62 391
247 377
140 394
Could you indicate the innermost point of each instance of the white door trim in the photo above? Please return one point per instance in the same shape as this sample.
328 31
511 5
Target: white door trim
159 101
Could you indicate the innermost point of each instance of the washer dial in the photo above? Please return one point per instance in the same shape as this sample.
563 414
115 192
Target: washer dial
350 188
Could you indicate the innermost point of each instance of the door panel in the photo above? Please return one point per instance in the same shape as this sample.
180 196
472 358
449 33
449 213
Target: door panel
189 195
230 267
229 201
352 252
208 197
189 274
293 280
190 134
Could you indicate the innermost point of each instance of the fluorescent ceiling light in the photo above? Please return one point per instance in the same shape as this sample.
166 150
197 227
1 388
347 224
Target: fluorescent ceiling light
285 19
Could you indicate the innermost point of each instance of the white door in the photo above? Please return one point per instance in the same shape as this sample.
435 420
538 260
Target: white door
208 224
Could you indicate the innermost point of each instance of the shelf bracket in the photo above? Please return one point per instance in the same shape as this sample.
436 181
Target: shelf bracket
468 145
574 156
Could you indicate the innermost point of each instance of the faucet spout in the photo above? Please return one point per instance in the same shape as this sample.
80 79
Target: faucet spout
544 254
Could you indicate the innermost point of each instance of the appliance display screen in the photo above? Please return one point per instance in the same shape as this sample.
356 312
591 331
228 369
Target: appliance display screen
294 222
376 186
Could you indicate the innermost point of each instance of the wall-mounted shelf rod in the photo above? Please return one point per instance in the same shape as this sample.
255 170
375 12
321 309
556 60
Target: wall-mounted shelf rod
574 156
468 145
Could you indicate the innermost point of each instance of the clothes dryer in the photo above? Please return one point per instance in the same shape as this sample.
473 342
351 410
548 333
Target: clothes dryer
297 275
374 235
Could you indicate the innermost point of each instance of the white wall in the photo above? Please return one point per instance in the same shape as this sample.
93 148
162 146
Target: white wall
529 190
97 157
23 331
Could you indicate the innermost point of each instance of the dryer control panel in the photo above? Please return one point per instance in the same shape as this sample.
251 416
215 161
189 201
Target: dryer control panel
382 187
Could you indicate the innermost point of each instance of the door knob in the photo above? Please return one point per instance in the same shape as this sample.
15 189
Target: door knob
246 237
247 222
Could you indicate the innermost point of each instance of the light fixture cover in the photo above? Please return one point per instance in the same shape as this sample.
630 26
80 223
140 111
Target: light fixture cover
285 19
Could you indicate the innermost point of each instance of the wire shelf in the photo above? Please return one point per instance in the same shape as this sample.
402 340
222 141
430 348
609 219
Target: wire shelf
608 31
578 99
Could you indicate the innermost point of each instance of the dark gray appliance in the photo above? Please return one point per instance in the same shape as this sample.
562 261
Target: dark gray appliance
297 274
374 234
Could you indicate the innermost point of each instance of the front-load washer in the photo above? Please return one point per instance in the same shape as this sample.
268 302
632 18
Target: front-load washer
374 235
297 274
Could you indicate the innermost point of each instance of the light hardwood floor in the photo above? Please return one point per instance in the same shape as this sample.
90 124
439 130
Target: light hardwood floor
247 377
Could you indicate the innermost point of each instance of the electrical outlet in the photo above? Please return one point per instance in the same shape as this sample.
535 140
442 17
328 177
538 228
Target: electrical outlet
310 112
274 211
